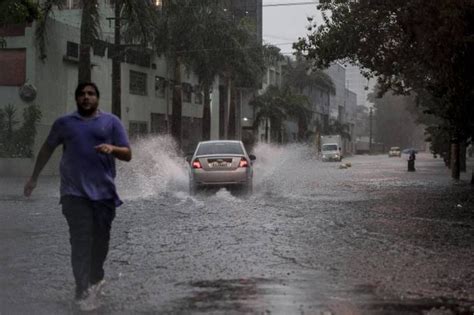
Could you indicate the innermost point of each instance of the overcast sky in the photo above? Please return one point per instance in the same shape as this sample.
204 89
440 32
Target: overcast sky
284 23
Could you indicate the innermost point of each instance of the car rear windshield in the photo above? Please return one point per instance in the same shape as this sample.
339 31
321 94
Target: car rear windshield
394 148
329 147
220 148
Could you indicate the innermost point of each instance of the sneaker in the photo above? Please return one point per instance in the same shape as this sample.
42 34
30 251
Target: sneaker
88 301
98 288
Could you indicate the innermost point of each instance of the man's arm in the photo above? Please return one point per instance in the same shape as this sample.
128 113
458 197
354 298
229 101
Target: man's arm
43 157
121 153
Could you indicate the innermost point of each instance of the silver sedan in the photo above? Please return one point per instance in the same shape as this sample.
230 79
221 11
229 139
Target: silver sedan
221 163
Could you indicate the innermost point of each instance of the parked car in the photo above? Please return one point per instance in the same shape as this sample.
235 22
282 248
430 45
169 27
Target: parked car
221 163
394 151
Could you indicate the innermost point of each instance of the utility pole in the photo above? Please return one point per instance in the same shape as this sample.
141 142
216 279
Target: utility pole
370 130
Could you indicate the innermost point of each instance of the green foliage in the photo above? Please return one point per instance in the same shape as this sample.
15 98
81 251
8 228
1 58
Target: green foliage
301 74
412 45
18 142
336 127
277 105
15 11
45 10
395 120
272 55
205 38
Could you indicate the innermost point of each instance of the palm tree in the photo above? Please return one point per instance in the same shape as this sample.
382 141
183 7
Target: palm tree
297 107
270 109
208 58
300 75
338 128
278 104
203 37
173 39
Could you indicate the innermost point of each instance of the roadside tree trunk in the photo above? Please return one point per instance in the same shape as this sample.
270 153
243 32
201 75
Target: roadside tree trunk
206 115
177 104
86 37
116 68
455 169
462 156
231 125
266 130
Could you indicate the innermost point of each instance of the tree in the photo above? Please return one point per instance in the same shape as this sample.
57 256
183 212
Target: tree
429 51
15 12
300 76
18 142
244 65
338 128
214 46
395 125
204 38
270 110
276 105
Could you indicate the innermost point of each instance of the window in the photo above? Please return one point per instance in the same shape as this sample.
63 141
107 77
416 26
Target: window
160 87
198 95
138 57
72 49
137 129
220 148
187 92
99 47
138 84
158 123
13 67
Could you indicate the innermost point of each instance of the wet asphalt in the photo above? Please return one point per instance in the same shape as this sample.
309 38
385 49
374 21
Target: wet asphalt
314 238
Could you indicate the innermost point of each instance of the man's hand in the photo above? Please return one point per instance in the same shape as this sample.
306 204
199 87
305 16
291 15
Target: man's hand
121 153
29 187
105 148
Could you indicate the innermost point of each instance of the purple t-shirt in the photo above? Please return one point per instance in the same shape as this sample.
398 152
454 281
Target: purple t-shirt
84 171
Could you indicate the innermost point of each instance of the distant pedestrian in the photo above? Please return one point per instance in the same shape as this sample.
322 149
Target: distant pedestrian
411 161
91 141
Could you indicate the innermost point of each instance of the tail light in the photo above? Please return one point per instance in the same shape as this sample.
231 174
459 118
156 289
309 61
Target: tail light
243 163
197 164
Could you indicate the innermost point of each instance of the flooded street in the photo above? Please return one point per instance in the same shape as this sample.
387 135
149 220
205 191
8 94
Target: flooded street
313 238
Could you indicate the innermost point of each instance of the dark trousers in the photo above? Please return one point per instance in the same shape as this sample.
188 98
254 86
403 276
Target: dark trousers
411 165
89 230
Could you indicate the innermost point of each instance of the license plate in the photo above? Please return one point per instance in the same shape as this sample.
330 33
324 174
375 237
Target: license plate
220 164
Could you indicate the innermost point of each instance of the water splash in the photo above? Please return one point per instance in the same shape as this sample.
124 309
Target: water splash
284 170
157 167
